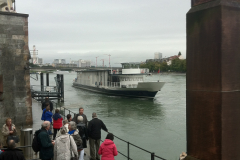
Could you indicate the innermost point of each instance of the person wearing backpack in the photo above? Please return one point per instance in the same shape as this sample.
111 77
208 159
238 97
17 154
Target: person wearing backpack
36 145
83 133
57 123
108 149
46 149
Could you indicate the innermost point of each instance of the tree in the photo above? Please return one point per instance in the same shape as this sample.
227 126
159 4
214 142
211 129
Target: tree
179 53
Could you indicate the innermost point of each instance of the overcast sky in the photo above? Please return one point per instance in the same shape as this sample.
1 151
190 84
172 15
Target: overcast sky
128 30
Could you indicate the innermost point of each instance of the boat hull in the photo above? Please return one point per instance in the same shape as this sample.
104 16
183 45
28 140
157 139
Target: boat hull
124 92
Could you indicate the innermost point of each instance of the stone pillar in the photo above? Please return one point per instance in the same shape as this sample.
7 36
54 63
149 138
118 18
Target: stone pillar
213 80
15 94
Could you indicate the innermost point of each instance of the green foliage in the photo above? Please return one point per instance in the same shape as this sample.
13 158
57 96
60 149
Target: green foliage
33 65
177 65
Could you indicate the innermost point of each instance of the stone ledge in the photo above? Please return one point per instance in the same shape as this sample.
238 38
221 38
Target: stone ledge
190 158
14 14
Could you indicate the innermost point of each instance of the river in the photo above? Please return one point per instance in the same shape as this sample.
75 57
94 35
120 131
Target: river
157 125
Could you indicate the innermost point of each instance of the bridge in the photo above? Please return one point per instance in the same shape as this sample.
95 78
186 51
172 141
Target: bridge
50 68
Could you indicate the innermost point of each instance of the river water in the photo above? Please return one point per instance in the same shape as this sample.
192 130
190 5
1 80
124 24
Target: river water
157 125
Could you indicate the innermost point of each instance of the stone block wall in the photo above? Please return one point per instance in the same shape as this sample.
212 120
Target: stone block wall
15 94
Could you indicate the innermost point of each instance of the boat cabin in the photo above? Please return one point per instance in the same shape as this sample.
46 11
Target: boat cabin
126 77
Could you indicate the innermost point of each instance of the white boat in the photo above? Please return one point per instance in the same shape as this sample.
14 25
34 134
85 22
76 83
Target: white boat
128 81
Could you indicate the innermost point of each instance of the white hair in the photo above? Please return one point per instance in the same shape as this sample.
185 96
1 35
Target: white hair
73 125
45 124
65 121
63 130
80 118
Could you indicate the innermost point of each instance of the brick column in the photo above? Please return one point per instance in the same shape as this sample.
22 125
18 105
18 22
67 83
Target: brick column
213 80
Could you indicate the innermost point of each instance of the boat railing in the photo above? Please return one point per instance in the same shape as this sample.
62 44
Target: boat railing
109 84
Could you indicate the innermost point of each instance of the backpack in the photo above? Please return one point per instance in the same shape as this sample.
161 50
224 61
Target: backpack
36 145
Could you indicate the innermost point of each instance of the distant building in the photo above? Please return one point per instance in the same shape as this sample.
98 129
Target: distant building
157 55
169 62
75 62
34 59
63 61
47 64
39 61
58 61
82 63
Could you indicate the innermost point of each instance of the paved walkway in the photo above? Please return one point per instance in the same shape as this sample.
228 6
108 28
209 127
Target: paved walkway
37 113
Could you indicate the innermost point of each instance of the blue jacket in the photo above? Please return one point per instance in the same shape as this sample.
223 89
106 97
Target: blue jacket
47 116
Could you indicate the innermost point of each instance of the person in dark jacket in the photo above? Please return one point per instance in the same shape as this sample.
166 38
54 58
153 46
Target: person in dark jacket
45 104
57 122
83 133
1 147
81 114
12 153
46 150
94 135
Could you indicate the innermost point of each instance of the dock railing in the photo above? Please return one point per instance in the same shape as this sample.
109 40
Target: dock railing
65 111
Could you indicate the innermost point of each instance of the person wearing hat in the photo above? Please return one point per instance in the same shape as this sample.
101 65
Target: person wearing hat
83 133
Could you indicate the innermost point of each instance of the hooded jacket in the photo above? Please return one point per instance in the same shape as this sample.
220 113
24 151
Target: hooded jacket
62 147
46 116
108 150
57 121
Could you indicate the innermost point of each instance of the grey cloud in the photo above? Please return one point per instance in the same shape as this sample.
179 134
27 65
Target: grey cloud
122 28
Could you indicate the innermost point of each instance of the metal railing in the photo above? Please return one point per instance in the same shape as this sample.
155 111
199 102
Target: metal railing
64 110
45 88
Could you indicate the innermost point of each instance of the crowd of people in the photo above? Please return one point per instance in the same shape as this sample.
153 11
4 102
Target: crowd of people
71 135
68 140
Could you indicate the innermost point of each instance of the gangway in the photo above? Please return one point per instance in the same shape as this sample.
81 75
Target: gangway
38 92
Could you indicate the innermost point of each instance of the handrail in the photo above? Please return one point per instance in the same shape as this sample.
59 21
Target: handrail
18 147
128 143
